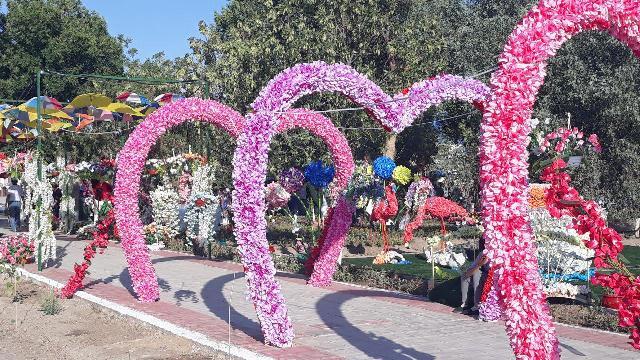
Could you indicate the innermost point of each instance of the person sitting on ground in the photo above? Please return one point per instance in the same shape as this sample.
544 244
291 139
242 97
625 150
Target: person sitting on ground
473 276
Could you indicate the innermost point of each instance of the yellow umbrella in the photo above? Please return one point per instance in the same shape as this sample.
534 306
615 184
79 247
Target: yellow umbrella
146 110
122 109
32 114
55 125
86 100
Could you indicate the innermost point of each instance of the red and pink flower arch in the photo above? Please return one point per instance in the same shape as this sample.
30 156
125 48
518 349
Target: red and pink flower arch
504 132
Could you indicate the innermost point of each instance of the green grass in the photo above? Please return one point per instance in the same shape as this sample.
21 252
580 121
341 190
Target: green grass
418 267
632 253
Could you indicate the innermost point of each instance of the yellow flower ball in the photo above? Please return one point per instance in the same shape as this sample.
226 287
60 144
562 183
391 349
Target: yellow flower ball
401 175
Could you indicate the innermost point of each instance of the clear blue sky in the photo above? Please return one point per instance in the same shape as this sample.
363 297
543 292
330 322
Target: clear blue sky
156 25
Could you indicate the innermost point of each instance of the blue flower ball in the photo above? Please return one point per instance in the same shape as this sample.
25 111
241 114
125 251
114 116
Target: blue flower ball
383 167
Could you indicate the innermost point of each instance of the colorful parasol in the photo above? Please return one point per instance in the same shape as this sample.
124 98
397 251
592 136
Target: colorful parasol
122 109
133 98
88 100
46 103
147 110
167 98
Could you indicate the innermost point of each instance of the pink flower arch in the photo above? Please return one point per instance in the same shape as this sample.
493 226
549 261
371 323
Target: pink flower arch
250 165
131 163
503 155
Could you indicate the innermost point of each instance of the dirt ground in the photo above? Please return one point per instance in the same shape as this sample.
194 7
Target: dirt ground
83 330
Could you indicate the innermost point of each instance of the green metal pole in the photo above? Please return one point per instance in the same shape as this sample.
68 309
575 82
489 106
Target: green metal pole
207 90
39 159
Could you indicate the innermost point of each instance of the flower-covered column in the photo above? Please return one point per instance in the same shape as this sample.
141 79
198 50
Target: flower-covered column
503 155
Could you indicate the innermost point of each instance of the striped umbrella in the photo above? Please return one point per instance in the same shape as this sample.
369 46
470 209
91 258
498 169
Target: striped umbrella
132 98
168 98
46 103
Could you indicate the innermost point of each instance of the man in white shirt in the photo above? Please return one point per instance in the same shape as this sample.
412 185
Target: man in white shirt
14 204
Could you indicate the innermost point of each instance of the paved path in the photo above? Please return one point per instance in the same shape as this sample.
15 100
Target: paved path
340 322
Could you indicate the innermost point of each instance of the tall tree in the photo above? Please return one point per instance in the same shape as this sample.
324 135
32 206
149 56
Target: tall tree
249 42
57 35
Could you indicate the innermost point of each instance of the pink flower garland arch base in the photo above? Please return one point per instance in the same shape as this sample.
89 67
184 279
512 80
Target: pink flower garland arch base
503 155
260 270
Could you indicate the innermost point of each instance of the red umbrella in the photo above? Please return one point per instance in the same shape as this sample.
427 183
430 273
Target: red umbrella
167 98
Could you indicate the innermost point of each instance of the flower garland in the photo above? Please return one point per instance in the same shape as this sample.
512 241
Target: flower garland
40 227
68 214
249 175
503 155
562 199
250 158
305 79
292 180
99 243
333 236
203 179
201 219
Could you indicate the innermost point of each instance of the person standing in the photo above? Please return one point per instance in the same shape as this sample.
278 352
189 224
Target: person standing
14 204
57 199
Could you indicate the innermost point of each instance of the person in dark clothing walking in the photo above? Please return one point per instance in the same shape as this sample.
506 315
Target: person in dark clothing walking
14 204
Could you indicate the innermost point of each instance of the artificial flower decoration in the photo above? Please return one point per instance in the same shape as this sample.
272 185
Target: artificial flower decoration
383 167
536 196
503 156
318 175
401 175
131 162
292 180
250 159
436 207
276 196
104 230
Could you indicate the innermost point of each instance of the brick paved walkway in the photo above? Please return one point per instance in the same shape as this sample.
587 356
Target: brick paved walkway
340 322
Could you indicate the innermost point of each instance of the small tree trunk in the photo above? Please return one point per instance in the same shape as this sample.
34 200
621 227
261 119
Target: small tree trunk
390 146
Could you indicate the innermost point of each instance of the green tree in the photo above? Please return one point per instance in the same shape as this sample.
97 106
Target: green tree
250 42
56 35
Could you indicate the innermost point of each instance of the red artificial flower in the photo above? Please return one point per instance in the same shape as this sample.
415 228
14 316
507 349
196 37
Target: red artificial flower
272 248
200 202
153 172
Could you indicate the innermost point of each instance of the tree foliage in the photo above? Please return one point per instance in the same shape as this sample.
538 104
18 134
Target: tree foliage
56 35
250 42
